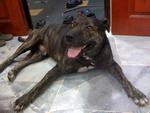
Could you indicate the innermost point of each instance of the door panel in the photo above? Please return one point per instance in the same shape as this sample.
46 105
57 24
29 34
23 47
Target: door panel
4 15
142 5
12 18
131 17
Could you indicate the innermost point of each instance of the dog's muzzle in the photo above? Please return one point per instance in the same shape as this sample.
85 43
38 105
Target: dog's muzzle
75 50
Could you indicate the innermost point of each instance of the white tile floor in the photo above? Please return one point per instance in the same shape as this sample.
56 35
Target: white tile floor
91 92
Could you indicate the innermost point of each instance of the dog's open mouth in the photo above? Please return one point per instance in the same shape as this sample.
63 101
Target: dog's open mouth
73 52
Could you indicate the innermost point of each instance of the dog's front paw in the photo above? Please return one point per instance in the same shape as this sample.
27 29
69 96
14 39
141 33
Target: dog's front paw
11 75
21 103
139 98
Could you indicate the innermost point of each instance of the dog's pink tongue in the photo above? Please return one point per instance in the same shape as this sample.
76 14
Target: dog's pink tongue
73 52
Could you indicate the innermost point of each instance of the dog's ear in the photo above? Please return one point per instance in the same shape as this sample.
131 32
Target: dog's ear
102 24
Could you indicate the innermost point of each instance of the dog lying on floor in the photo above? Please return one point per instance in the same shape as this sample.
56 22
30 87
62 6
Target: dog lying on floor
73 46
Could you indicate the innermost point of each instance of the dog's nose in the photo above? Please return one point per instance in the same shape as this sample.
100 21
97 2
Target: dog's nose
69 38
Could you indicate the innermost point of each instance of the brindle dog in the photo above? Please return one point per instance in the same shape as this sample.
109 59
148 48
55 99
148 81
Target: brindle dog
72 46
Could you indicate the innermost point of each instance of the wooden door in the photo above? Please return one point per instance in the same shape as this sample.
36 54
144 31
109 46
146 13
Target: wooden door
131 17
12 17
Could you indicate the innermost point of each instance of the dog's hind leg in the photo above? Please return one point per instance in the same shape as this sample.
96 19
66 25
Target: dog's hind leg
138 97
36 57
21 49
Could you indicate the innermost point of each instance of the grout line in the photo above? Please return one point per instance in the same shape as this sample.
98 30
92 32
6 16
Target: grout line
128 64
56 94
94 110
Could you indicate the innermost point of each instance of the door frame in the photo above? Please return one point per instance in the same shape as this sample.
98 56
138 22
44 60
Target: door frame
107 10
27 13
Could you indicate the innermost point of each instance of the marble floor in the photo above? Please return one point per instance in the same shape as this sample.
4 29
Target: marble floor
95 91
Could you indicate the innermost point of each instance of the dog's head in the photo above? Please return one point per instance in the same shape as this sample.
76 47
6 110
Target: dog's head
85 37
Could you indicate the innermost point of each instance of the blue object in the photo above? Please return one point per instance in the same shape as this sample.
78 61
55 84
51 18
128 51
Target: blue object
68 19
87 12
